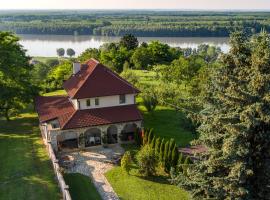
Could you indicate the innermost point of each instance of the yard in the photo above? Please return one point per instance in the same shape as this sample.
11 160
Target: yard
134 187
81 187
25 168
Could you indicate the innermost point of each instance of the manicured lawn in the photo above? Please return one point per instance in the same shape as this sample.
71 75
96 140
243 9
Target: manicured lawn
81 187
25 168
134 187
167 123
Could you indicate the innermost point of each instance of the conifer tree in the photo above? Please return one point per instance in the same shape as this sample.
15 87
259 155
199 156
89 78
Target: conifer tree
157 146
145 137
175 157
161 150
150 135
235 126
165 156
153 142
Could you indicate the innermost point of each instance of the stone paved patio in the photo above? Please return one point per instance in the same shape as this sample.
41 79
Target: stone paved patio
94 162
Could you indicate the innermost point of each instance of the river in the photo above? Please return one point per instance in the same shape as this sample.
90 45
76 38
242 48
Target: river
46 45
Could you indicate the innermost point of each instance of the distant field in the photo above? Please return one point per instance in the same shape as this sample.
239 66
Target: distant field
25 168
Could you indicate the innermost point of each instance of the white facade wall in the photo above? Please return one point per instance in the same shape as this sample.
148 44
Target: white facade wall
107 101
75 103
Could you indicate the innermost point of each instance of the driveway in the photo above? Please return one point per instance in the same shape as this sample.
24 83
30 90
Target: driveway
95 162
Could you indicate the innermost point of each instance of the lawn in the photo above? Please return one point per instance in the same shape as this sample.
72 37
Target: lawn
167 123
134 187
25 168
81 187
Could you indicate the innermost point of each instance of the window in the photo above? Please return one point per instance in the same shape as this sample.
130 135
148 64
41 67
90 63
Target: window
96 101
88 102
122 99
55 125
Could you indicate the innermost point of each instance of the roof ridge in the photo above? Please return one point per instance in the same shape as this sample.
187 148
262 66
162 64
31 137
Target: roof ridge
69 119
89 74
120 78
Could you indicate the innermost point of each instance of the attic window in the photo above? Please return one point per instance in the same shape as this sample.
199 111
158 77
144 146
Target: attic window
88 102
96 101
122 99
55 125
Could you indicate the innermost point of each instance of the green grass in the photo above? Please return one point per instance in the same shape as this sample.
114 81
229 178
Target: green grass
25 168
81 187
134 187
167 123
43 59
54 93
146 77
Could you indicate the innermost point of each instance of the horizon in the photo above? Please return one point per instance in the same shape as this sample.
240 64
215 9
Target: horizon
174 5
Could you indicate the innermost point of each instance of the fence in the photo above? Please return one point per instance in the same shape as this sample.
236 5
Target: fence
61 182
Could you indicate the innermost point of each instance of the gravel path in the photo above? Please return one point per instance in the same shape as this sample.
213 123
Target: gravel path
95 162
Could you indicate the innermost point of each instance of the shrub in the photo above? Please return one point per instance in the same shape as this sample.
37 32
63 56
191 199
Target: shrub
150 102
126 162
147 161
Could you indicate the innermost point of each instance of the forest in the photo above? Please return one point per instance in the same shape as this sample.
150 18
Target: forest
138 22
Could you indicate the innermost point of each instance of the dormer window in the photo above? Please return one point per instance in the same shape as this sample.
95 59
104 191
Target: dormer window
88 103
96 101
122 99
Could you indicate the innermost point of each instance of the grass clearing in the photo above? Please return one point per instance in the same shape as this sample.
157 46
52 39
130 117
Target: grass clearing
135 187
81 187
25 168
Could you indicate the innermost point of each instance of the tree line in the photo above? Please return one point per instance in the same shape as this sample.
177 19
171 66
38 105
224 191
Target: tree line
139 23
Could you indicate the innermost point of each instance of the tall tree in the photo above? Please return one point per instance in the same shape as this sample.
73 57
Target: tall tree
235 126
129 41
60 52
70 52
16 88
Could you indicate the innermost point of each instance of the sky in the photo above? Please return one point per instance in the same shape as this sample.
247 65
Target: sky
137 4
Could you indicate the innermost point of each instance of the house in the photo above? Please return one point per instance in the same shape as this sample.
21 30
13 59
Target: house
100 107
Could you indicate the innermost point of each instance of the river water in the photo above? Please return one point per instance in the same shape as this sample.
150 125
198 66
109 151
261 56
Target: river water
46 45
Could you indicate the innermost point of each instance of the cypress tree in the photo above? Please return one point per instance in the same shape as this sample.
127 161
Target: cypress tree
145 137
157 145
175 156
153 142
161 150
150 135
165 156
235 125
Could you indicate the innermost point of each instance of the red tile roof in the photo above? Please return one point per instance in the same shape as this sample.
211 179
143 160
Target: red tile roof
95 80
102 116
59 107
49 108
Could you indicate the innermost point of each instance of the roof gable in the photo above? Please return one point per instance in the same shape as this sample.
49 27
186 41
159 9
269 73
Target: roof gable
95 80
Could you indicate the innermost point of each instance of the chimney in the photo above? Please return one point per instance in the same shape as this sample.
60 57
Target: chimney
76 67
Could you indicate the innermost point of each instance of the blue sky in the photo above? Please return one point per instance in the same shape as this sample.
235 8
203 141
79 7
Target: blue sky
136 4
